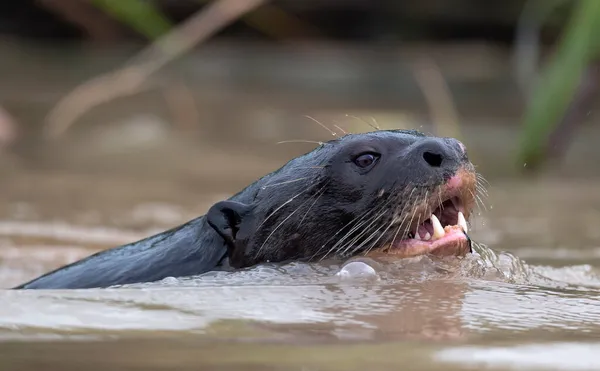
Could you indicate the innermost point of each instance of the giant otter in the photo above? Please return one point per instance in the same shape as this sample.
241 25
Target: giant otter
385 192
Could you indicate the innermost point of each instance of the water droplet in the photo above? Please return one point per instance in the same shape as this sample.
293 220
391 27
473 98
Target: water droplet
170 280
357 269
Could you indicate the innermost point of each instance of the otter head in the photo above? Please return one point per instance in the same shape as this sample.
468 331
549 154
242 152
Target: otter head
385 192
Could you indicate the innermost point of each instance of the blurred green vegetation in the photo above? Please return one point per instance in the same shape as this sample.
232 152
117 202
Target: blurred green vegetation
559 81
142 16
553 94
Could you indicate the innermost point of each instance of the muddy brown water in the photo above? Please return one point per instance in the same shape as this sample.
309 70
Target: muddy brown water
529 299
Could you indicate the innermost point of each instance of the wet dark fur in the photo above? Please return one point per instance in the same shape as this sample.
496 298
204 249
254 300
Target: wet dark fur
318 205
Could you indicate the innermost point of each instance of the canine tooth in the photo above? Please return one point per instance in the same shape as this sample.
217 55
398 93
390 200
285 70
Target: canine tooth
462 222
427 237
438 230
417 235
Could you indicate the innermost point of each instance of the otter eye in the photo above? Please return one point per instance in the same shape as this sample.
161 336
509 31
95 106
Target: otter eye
365 160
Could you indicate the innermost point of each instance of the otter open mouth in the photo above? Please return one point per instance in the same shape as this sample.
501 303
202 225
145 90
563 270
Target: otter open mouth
444 233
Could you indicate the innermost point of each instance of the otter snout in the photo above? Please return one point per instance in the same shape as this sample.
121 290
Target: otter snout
435 155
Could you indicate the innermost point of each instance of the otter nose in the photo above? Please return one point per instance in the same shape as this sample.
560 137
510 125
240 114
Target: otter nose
434 153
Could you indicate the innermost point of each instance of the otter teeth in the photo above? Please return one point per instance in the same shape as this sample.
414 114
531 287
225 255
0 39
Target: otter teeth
462 222
426 236
438 230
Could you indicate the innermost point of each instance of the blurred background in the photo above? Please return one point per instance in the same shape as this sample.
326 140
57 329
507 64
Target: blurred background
97 84
137 115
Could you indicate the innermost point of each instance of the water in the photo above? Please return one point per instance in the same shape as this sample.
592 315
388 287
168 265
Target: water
529 300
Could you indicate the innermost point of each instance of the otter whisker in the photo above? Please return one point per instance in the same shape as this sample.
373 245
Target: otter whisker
399 229
362 120
481 190
400 226
476 201
480 200
281 223
286 182
371 220
368 230
440 196
403 220
365 241
364 214
320 193
301 141
363 221
324 126
311 167
375 123
282 205
481 186
374 232
379 238
482 178
480 203
480 196
339 127
415 209
342 130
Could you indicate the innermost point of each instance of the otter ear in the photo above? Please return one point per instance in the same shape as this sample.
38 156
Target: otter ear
226 217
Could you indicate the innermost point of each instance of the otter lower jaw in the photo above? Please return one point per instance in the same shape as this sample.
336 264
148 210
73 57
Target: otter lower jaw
454 243
443 234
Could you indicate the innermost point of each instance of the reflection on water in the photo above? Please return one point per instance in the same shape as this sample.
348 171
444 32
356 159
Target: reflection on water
559 356
489 309
423 299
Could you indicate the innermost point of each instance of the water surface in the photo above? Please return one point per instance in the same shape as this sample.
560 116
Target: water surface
538 311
